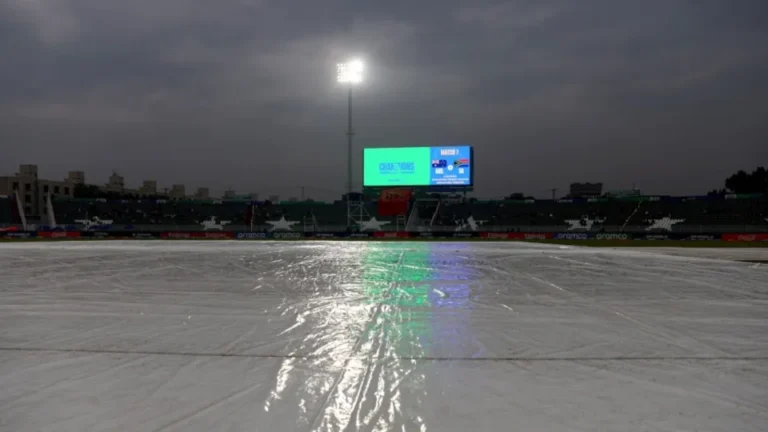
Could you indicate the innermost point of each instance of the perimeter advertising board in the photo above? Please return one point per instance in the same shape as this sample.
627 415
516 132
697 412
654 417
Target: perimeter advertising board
418 166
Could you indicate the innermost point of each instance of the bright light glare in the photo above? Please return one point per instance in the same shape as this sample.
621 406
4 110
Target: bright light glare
350 72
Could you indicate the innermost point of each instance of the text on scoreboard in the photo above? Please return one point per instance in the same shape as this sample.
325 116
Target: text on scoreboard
417 166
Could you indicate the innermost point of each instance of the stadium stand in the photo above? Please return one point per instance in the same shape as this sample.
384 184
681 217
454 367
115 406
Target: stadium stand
325 214
146 214
688 214
183 213
537 215
639 214
75 211
633 214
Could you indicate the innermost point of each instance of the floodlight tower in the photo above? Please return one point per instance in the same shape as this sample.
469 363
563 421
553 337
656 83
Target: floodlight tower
351 74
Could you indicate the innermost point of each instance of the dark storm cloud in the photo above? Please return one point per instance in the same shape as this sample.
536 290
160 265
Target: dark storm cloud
667 95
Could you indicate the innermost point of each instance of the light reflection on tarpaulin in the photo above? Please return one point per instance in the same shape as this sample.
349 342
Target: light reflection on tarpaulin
380 372
392 281
449 295
423 298
403 307
418 311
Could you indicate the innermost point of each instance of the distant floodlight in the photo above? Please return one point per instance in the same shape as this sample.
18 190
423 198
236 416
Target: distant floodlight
350 72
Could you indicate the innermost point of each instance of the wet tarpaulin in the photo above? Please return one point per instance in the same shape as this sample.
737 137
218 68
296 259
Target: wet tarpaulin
317 336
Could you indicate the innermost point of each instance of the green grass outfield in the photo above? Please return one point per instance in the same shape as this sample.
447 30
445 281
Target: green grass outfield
656 243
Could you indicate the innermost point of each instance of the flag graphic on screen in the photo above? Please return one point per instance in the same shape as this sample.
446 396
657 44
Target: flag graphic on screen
439 163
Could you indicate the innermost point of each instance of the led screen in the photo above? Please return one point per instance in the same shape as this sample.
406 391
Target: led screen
417 166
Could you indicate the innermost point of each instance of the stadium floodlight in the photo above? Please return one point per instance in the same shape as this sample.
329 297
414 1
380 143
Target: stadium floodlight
350 72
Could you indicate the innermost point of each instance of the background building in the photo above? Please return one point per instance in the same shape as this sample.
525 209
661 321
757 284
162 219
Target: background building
115 184
586 190
177 192
32 191
149 187
76 177
203 193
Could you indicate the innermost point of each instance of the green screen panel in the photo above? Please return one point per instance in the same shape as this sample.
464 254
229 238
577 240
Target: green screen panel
403 166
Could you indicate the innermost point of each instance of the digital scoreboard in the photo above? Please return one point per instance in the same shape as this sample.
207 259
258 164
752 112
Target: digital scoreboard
417 166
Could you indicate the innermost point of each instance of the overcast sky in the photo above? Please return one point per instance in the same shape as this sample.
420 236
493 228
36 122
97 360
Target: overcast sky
668 95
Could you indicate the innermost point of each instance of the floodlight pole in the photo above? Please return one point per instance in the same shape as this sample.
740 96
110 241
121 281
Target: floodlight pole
350 73
350 134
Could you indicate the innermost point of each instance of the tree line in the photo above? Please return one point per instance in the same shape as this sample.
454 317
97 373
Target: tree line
743 182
